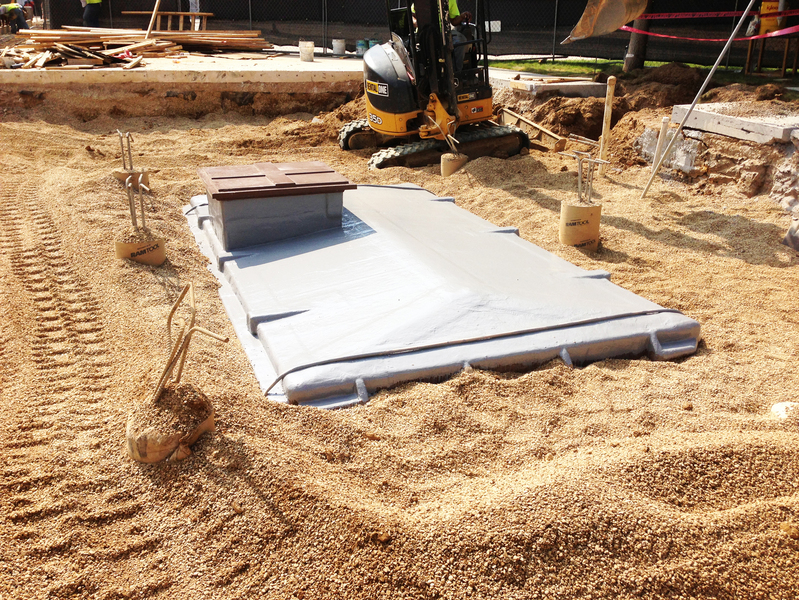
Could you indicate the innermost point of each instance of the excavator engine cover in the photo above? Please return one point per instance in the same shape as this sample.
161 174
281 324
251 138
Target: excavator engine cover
388 85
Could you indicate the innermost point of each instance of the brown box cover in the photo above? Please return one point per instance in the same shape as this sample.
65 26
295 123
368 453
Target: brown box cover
266 180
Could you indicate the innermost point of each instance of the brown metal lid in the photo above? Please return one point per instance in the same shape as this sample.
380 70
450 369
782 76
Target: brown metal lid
269 180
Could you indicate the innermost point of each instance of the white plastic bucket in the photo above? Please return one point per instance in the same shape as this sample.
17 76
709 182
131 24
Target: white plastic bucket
339 47
306 51
360 47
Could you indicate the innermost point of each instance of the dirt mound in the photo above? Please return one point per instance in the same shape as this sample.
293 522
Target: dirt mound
665 86
324 128
674 74
645 89
629 128
581 116
740 92
673 476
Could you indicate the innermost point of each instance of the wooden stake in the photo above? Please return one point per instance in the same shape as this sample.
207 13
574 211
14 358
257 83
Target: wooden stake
152 19
605 141
664 132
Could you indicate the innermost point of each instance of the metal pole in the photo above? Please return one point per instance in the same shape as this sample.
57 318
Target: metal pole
555 30
732 26
324 27
111 13
249 5
698 95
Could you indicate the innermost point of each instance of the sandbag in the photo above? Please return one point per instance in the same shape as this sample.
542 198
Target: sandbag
166 428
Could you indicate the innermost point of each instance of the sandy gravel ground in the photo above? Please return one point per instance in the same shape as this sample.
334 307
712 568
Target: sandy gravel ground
623 479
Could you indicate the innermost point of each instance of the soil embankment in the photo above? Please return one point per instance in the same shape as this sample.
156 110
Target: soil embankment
623 479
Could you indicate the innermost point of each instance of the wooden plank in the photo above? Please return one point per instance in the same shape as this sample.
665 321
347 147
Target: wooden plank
152 19
84 61
134 63
44 58
70 67
32 61
129 47
167 12
552 141
109 42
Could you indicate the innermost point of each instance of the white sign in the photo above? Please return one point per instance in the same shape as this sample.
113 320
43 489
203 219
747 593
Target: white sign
494 26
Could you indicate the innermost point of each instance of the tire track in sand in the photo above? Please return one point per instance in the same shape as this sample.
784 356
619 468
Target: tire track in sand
55 421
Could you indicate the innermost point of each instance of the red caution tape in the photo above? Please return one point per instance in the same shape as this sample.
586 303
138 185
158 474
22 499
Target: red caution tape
711 15
781 32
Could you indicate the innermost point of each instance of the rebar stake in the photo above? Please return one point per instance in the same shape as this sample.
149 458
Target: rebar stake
585 178
180 347
129 138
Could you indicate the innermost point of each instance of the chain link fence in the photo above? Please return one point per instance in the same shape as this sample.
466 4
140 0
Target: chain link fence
520 27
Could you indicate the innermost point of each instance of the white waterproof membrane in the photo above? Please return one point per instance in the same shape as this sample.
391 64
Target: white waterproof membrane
414 288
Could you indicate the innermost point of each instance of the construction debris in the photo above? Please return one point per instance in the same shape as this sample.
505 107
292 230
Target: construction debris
89 48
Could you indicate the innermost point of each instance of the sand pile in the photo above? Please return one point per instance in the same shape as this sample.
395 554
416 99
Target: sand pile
624 479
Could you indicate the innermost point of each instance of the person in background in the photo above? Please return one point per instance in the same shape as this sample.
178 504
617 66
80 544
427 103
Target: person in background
16 16
91 12
28 8
461 31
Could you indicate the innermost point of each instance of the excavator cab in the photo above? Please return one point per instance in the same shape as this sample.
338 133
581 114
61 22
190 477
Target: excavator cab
415 95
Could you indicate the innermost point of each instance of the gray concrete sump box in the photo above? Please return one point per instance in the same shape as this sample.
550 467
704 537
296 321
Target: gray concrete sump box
267 202
413 287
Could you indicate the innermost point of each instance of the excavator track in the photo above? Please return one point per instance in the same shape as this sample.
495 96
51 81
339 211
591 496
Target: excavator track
500 140
355 135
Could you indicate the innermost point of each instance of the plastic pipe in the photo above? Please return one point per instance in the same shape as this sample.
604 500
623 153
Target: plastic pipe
664 131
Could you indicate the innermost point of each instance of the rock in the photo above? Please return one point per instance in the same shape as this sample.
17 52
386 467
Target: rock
786 410
167 427
751 177
791 240
791 530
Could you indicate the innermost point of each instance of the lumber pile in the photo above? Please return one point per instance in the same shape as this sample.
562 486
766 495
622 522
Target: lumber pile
84 47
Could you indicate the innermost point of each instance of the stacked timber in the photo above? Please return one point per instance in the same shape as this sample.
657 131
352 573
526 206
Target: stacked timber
83 47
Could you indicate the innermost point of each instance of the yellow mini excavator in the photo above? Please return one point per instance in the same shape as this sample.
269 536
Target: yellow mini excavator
418 105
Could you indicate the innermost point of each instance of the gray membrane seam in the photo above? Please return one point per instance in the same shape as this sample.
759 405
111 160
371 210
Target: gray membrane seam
463 342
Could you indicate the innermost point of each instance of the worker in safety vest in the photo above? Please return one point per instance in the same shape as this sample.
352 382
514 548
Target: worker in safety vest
462 31
91 12
16 16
